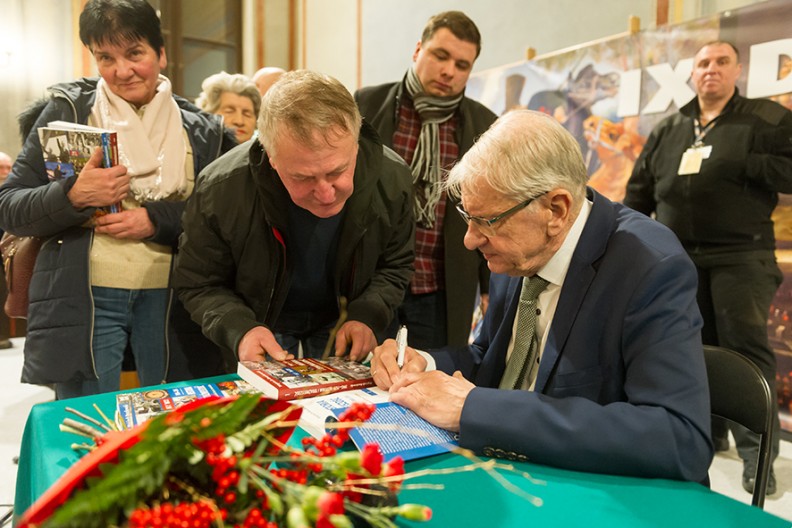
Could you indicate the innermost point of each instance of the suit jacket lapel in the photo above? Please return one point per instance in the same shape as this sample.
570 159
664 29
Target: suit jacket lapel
581 273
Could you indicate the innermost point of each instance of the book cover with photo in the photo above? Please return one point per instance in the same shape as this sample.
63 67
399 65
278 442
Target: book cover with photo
300 378
67 147
134 408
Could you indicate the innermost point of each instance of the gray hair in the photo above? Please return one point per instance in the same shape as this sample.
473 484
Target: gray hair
523 155
215 85
303 103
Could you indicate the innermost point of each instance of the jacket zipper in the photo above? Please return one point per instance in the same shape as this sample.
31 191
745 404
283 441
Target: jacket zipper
268 318
93 308
166 368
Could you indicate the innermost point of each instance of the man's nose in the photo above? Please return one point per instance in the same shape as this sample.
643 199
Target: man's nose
324 191
473 237
448 69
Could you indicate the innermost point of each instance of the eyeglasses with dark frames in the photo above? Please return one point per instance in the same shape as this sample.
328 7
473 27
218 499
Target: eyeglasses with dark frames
487 226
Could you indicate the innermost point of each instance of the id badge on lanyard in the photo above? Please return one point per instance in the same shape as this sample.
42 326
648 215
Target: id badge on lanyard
693 157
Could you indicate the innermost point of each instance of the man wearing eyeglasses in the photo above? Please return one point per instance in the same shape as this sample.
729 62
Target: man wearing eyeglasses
609 375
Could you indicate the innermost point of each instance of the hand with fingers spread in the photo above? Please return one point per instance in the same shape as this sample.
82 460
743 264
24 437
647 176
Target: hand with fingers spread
259 342
384 367
99 187
434 396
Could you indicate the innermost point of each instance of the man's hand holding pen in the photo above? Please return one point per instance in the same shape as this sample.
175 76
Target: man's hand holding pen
384 363
434 396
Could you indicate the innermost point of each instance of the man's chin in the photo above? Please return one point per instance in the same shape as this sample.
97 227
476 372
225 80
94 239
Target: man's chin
328 211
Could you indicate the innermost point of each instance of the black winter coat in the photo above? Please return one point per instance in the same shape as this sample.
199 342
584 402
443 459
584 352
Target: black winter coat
60 316
233 267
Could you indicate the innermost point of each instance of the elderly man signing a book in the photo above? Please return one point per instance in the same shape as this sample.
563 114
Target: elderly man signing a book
590 354
309 224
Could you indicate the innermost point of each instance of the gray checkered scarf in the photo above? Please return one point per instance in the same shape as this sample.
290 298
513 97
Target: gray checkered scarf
425 166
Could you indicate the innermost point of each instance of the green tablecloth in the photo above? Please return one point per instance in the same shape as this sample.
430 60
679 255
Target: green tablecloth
468 498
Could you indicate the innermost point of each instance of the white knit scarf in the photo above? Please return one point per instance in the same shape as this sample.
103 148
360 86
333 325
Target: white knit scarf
151 147
425 165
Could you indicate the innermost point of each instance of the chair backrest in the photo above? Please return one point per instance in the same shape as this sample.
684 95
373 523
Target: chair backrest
740 393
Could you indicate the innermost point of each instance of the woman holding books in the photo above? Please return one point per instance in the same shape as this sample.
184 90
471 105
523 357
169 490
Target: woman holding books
100 284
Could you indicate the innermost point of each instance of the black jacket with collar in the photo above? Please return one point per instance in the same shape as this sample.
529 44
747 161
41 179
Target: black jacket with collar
727 206
233 266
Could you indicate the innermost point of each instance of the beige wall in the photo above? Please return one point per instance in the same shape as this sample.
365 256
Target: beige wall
360 42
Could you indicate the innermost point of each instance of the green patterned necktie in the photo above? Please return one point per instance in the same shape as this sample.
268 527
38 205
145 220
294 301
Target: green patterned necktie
524 358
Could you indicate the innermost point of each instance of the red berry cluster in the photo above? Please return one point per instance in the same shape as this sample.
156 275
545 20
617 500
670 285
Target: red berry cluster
200 514
255 519
300 476
329 443
224 468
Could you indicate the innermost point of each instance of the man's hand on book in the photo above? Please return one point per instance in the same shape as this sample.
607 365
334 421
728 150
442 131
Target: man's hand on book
98 187
434 396
257 343
131 223
384 366
358 337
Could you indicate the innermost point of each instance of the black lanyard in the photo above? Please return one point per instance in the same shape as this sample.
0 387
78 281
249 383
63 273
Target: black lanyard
700 133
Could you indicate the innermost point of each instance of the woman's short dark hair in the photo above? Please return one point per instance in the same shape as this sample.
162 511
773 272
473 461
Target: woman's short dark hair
118 22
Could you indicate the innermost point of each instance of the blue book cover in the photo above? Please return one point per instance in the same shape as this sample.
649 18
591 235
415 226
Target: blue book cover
401 432
134 408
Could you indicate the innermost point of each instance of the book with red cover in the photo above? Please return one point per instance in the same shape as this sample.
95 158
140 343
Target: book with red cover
292 379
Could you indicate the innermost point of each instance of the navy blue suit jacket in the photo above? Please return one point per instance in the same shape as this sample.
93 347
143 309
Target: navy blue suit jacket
622 386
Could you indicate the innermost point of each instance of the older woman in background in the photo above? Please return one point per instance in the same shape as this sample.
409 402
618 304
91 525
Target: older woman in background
235 97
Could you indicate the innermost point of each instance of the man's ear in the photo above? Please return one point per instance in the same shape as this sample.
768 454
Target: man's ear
559 204
417 49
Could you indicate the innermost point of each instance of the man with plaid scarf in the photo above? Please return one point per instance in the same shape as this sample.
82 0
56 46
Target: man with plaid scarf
427 120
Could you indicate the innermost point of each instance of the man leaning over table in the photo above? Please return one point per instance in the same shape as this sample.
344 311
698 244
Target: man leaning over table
620 386
281 228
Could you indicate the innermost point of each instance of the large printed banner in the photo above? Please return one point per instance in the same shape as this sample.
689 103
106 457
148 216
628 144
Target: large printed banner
610 94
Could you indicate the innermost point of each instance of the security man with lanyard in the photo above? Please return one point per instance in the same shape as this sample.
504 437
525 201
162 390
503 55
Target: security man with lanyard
712 173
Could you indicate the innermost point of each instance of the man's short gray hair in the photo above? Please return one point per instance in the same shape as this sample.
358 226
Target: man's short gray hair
215 85
523 155
303 103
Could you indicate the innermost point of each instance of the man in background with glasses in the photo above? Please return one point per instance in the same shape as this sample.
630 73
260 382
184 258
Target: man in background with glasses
590 354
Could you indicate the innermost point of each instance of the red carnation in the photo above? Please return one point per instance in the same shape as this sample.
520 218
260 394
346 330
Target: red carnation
394 468
330 503
371 459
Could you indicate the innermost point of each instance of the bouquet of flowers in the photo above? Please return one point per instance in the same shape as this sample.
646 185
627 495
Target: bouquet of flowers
224 462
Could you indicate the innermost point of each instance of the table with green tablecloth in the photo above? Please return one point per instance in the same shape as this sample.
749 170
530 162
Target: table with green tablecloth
468 498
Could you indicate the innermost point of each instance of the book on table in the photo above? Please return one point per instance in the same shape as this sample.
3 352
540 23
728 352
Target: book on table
134 408
292 379
67 147
397 430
